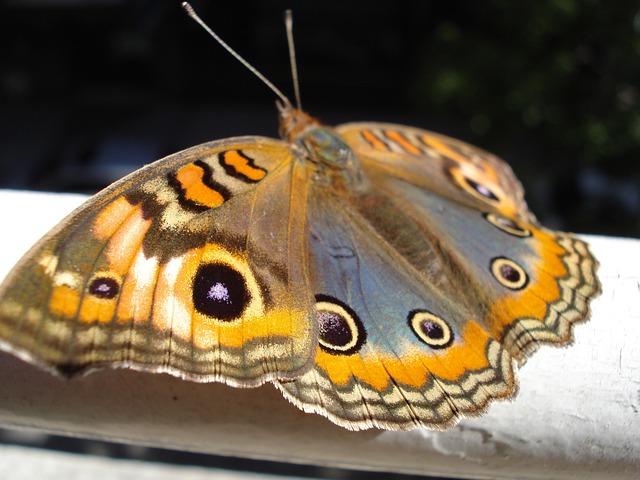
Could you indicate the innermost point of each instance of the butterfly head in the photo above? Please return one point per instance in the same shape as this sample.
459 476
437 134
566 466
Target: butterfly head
293 121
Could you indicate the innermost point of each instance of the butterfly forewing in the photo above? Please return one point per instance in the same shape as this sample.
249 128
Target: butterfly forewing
189 266
442 165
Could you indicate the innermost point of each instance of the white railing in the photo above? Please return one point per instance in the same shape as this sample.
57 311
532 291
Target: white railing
577 415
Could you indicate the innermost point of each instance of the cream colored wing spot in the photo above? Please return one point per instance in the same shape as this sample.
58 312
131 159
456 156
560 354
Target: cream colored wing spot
67 278
49 263
430 329
508 273
341 332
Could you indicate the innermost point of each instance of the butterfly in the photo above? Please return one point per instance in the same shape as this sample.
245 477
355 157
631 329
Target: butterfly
380 275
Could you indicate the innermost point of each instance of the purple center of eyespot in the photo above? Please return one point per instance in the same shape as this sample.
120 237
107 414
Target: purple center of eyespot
432 330
482 190
219 293
509 273
506 222
334 329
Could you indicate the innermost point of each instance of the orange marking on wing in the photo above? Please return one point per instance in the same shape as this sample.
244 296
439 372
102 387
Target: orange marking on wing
136 296
462 357
122 247
94 309
444 149
190 178
243 166
533 301
235 334
415 367
487 172
111 217
403 142
126 242
173 310
375 142
173 306
64 301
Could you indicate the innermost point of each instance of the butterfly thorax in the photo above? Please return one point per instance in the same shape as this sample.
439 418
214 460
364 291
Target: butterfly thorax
321 145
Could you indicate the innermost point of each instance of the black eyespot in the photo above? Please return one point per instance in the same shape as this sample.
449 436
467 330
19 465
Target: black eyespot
219 291
104 287
476 189
506 225
508 273
341 332
430 329
482 189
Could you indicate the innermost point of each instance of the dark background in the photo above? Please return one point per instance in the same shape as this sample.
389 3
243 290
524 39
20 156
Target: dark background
90 90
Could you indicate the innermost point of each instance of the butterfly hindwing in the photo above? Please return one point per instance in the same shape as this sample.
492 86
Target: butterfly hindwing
186 266
396 350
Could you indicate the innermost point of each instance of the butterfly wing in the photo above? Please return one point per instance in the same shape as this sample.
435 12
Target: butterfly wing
395 351
442 165
431 284
190 266
532 283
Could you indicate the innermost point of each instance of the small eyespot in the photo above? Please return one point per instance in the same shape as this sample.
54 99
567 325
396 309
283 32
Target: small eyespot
506 225
341 332
220 291
104 286
482 190
478 190
430 329
508 273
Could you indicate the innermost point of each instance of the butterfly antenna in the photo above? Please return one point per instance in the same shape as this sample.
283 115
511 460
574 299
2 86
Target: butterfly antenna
191 12
288 21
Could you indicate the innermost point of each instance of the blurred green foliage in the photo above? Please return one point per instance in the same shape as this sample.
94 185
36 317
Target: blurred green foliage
563 72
